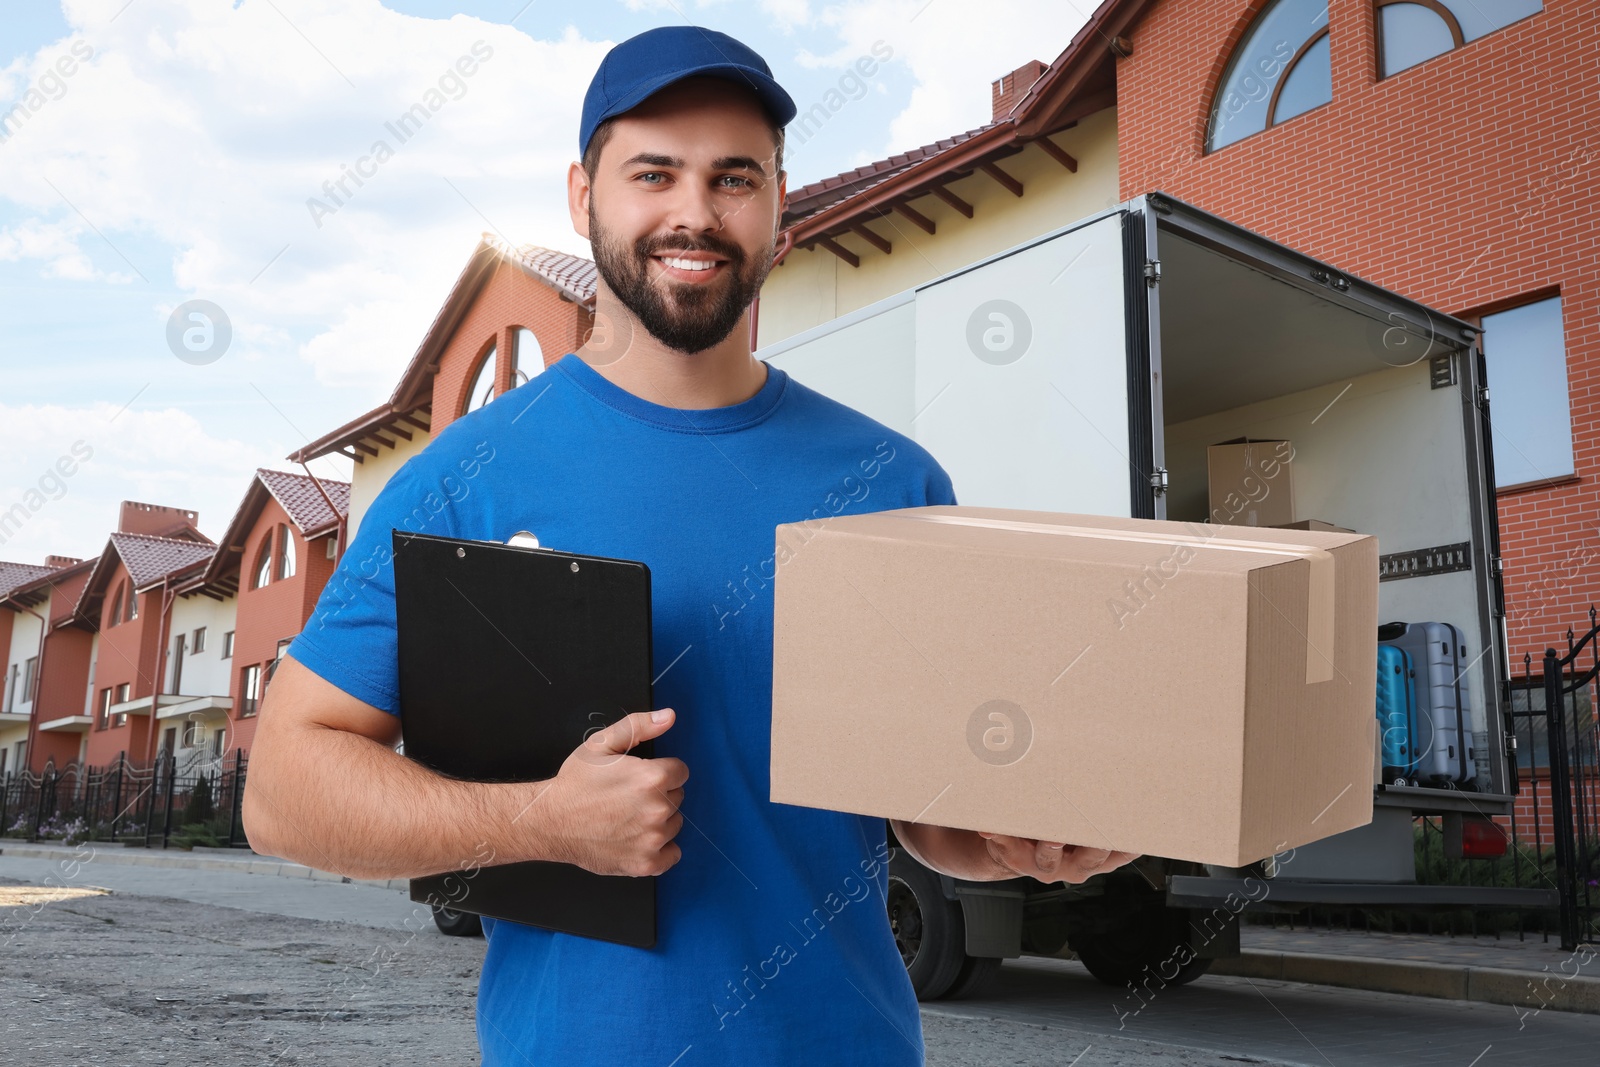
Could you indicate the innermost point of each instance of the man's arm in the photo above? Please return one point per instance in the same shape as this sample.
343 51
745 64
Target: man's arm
326 788
981 857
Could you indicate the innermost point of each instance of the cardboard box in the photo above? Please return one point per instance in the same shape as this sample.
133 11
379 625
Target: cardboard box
1250 481
1174 689
1311 524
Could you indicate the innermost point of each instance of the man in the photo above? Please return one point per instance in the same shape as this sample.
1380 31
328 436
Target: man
662 439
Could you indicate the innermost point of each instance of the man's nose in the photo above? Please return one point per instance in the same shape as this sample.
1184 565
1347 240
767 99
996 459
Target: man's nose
694 210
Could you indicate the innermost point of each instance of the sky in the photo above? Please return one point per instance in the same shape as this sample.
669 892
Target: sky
154 153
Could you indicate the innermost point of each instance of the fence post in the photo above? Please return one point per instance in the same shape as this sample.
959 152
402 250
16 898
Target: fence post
235 797
150 802
116 795
166 819
1561 798
46 784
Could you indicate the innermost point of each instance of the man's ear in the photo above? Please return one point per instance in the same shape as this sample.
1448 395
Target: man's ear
578 193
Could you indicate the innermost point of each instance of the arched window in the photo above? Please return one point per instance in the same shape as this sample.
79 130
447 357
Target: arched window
133 603
285 552
1280 69
1411 31
263 564
527 358
116 605
482 390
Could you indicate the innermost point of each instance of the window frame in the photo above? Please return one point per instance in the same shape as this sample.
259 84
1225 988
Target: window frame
198 641
124 694
285 566
486 361
261 573
227 644
249 679
1522 300
1219 94
1458 35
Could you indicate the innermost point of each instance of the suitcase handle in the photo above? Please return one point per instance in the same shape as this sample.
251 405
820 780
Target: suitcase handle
1390 630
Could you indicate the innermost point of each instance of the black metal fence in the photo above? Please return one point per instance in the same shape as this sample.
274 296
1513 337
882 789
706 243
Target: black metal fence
1558 746
167 803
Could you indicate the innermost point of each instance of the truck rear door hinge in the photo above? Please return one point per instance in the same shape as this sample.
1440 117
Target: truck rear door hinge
1442 370
1152 271
1158 480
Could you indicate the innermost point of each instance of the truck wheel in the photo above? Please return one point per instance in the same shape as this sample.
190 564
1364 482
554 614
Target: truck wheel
974 977
1140 945
927 928
457 923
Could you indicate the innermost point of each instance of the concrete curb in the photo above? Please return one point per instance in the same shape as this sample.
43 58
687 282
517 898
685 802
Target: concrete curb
1530 992
240 861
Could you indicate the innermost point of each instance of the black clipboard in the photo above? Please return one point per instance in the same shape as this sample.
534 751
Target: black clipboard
509 656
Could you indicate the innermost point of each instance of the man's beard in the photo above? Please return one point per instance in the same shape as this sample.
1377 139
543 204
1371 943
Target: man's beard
688 318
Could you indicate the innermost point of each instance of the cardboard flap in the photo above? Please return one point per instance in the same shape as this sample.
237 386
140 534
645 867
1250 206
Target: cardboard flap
1319 613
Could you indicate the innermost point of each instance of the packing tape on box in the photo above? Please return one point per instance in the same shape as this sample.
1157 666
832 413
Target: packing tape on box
1319 600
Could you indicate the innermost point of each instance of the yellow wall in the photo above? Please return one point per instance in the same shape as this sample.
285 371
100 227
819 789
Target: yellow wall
372 475
812 287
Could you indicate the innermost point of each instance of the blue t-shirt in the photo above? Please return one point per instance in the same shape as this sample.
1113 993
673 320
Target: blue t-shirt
773 943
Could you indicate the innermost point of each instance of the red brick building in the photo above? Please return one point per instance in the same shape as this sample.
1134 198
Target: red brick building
511 313
48 663
125 603
1444 151
272 562
1465 181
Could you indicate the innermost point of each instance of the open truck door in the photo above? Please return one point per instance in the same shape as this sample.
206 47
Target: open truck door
1088 371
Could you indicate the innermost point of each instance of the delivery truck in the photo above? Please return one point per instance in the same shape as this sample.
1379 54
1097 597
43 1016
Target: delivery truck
1155 361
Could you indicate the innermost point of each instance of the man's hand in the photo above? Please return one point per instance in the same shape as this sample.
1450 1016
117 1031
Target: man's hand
982 857
612 813
1049 861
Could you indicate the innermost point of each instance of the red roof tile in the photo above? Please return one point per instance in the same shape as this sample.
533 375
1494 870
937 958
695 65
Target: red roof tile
571 275
150 558
809 199
14 576
299 496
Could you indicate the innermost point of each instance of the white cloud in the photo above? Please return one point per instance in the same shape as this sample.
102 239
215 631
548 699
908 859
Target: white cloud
196 134
953 53
160 456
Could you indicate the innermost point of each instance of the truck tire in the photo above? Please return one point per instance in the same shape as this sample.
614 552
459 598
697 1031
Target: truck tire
1139 946
974 977
928 928
457 923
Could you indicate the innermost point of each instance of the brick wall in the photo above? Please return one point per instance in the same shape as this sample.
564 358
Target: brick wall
508 300
1466 183
62 684
275 612
127 655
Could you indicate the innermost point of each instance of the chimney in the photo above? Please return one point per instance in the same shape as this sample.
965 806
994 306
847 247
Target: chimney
1012 87
57 562
155 519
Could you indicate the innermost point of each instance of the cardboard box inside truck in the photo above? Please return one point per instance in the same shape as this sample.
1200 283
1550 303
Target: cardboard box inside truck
1187 690
1251 482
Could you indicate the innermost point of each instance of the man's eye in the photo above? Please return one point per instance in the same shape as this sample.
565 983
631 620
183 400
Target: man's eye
652 177
742 183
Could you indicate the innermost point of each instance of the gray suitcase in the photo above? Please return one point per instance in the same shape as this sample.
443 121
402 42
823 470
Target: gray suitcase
1444 718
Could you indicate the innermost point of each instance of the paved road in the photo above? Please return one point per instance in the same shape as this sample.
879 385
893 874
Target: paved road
160 972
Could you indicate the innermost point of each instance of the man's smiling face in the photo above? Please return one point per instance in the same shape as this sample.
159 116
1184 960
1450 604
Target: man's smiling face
683 209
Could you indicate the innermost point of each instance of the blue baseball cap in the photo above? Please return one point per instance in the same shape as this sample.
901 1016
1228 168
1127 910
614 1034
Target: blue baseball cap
649 62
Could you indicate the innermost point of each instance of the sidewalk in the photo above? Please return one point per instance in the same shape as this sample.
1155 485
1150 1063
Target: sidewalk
1530 975
201 859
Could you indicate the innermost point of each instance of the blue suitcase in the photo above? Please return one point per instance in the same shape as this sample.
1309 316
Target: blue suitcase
1444 723
1397 715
